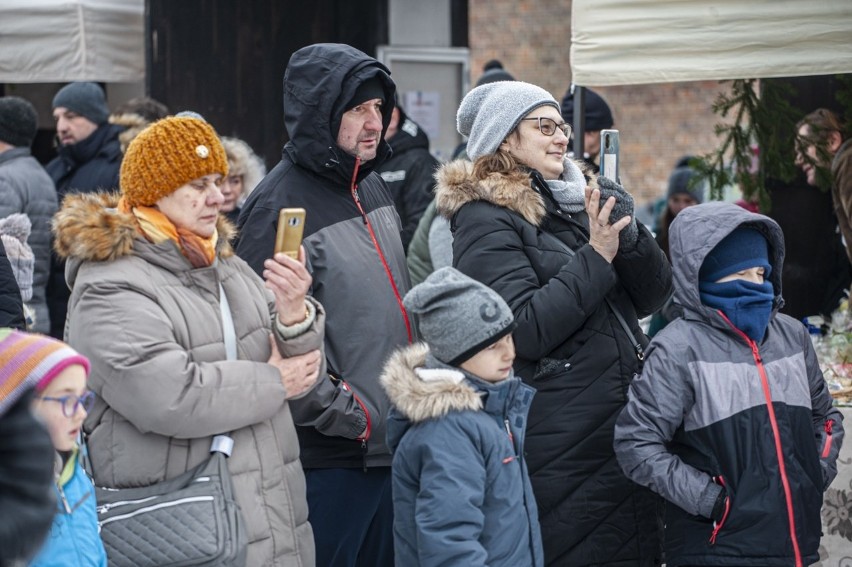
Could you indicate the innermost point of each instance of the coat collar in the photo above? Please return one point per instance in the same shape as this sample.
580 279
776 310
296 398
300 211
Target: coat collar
456 187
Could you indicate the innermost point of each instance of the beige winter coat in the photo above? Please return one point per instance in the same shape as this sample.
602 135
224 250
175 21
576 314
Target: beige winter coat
151 326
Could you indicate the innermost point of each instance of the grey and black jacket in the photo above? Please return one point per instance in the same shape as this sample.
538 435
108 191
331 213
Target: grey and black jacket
354 254
26 188
509 234
712 408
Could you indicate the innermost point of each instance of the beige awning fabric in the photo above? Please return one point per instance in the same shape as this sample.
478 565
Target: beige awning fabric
51 41
624 42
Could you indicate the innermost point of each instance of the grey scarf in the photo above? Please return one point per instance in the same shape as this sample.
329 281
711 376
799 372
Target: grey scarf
570 190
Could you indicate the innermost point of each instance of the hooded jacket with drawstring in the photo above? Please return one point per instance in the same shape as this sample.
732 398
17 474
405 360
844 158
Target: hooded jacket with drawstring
713 408
354 253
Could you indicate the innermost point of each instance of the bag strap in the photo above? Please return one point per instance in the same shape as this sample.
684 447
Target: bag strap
225 443
637 346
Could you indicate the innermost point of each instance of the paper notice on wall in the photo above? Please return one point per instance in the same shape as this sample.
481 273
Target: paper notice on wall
424 107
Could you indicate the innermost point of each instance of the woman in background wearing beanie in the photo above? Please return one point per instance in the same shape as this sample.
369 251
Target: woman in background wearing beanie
185 342
685 190
569 260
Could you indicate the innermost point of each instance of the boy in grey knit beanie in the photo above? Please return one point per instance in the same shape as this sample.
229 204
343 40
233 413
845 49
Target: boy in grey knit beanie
457 316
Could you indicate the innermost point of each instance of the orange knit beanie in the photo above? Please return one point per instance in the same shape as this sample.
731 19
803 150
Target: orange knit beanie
167 155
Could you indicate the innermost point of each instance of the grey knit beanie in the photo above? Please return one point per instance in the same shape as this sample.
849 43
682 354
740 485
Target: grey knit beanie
489 113
683 180
18 121
14 232
86 99
458 316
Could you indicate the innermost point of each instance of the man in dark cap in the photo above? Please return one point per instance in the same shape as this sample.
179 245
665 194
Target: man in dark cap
89 158
337 106
26 188
598 117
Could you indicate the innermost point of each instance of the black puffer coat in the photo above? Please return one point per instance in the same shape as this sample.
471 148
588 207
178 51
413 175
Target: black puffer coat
509 234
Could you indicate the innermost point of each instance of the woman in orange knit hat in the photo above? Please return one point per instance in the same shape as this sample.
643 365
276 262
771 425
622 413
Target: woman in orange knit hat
185 340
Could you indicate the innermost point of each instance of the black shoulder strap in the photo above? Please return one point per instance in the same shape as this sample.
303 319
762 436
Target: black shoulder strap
637 346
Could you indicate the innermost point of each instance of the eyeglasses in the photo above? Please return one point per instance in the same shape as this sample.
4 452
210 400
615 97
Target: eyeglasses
548 126
72 403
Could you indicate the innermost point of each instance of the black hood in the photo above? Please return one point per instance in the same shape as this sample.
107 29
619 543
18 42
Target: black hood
319 81
409 135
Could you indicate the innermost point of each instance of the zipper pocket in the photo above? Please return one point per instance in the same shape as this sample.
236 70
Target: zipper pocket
104 508
157 507
717 526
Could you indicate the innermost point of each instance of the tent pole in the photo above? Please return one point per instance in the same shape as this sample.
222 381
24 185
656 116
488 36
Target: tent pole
579 125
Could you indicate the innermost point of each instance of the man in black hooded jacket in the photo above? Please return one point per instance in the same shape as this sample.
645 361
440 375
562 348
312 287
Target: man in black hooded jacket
409 172
337 107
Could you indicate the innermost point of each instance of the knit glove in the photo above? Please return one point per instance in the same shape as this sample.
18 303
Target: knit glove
623 207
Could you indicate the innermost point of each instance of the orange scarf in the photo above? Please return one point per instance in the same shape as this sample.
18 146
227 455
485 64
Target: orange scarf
156 227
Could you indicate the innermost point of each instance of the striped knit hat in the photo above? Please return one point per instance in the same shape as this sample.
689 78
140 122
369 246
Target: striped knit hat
28 360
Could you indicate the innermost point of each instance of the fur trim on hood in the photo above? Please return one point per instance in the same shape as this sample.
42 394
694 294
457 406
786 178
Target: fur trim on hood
243 161
421 394
89 227
456 187
133 124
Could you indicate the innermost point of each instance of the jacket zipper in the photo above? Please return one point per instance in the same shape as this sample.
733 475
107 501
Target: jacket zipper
508 460
354 190
826 448
367 431
717 526
157 507
764 382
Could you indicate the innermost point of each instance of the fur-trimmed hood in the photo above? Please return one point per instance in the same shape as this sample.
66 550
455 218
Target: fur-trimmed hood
420 393
456 187
133 124
89 227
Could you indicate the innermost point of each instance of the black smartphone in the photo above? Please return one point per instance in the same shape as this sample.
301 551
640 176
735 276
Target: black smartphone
609 154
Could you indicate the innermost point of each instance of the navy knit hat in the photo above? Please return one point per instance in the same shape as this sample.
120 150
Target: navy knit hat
743 248
86 99
18 121
493 71
598 114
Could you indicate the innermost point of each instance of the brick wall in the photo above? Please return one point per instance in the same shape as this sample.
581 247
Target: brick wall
658 123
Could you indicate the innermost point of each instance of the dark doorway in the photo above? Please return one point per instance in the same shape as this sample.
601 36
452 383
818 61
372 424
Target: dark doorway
225 59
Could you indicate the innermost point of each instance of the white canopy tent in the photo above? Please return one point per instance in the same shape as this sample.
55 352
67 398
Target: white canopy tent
51 41
625 42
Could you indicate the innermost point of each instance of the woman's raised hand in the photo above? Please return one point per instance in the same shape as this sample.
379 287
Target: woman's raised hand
298 373
603 236
289 281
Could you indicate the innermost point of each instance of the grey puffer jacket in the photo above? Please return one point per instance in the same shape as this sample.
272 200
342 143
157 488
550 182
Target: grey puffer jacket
151 326
713 404
461 491
25 187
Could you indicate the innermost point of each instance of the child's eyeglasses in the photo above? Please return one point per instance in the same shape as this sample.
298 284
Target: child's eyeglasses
72 403
548 126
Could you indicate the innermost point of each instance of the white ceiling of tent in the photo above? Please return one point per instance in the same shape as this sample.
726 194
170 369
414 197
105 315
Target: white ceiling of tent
72 40
624 42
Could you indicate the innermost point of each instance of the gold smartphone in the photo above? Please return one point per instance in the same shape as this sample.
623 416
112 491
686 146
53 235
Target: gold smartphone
288 238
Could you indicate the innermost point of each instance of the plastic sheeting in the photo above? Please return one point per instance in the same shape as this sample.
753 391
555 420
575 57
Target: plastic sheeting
624 42
72 40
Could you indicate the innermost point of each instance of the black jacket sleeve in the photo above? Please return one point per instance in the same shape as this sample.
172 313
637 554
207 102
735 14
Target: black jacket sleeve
645 274
11 304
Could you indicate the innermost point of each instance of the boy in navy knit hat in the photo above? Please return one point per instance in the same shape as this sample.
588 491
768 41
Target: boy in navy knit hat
731 420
